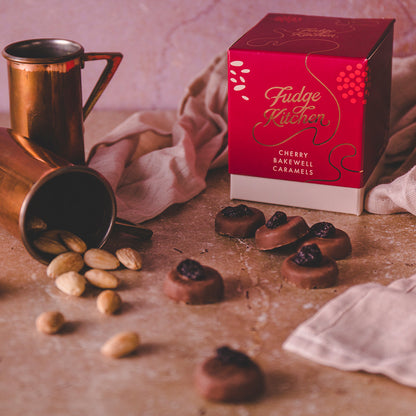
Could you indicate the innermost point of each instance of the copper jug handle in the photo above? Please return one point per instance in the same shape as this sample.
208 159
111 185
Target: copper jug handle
133 229
113 61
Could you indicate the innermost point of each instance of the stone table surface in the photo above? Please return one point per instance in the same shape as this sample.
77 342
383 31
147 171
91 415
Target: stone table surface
65 374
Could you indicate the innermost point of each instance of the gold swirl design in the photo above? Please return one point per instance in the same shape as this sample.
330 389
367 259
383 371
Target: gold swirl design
347 156
329 91
285 140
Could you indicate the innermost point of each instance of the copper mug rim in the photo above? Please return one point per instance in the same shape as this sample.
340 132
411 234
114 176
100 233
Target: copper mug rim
43 50
63 171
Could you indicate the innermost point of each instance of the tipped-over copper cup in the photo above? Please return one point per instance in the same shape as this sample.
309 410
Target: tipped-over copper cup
35 183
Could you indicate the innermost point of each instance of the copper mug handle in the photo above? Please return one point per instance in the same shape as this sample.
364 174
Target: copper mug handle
113 61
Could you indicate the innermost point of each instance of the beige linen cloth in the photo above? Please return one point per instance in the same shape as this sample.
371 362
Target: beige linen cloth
158 158
396 191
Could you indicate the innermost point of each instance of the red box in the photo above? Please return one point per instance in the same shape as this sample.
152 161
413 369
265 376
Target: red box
308 110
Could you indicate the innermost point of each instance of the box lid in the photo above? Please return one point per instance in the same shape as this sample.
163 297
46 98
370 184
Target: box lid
323 35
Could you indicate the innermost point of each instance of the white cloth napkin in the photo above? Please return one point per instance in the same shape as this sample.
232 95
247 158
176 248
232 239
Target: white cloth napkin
158 158
369 327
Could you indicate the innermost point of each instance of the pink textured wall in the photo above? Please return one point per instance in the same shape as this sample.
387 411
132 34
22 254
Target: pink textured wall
167 42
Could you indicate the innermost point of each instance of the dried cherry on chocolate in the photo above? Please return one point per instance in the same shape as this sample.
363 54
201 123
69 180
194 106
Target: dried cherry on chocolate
278 218
229 356
237 211
323 230
191 269
308 256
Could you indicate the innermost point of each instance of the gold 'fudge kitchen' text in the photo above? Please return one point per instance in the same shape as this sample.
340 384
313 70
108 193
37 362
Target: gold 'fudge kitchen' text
290 113
303 107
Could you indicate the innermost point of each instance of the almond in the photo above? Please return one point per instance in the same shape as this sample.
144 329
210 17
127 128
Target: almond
52 234
129 258
108 302
36 224
49 245
101 278
71 283
121 344
65 262
73 242
50 322
97 258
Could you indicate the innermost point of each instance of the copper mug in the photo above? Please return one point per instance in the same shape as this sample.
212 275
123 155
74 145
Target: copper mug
45 92
35 183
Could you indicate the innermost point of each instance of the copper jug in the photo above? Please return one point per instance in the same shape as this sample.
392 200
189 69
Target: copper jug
45 92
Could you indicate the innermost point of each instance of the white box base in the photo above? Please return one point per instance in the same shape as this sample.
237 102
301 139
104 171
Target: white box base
297 194
302 194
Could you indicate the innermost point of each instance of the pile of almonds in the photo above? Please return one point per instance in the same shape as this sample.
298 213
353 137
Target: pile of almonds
73 267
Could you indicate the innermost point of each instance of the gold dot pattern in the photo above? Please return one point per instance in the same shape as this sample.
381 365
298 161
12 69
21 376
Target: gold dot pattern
353 83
